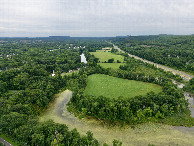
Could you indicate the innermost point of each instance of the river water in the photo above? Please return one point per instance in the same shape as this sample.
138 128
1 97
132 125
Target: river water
83 58
141 135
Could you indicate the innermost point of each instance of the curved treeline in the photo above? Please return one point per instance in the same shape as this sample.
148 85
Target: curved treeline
139 109
24 95
173 51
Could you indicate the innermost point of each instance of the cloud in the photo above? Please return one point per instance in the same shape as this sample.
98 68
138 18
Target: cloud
95 17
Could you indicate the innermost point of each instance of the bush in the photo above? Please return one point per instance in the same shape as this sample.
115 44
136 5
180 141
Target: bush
111 60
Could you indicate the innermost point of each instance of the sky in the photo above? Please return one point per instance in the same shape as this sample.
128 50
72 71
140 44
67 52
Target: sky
95 18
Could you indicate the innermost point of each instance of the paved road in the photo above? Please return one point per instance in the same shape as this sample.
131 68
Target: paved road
5 142
185 76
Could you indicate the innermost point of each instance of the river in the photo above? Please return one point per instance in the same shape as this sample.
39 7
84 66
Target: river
141 135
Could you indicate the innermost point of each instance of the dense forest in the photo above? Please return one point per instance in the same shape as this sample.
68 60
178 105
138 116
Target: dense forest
27 87
172 51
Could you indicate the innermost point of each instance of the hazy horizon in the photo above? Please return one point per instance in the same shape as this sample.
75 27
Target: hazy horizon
95 18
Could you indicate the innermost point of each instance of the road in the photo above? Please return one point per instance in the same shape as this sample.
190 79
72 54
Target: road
5 142
185 76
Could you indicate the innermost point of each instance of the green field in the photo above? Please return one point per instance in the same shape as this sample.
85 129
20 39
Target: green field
113 87
104 56
111 65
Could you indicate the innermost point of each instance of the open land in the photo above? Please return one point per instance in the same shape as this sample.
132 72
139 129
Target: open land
113 87
104 56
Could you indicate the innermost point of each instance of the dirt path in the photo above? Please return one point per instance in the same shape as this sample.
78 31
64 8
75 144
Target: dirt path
142 135
185 76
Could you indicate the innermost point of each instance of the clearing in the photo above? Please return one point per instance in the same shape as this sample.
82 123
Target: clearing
113 87
104 56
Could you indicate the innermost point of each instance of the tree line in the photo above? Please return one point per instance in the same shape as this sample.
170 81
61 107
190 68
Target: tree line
139 109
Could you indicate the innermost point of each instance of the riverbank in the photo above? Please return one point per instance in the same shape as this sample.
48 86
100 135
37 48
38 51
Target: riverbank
141 135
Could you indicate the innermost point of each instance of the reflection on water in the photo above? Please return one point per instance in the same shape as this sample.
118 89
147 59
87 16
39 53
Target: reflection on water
157 134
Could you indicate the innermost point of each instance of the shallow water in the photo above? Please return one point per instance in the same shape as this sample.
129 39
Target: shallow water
187 96
191 101
141 135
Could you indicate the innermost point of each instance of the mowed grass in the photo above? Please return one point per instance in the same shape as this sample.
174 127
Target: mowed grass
104 56
113 87
111 65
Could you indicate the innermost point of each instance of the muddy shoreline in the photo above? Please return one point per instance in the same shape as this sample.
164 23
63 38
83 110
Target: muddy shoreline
141 135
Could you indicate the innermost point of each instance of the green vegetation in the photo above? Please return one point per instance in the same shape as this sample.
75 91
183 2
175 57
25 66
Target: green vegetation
190 86
112 87
111 65
69 73
169 50
10 140
151 107
27 88
137 66
105 56
141 134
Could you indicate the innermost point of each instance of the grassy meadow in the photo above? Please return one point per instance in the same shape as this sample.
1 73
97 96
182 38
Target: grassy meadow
113 87
104 56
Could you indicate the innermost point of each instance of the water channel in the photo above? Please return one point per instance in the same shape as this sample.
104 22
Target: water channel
158 134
